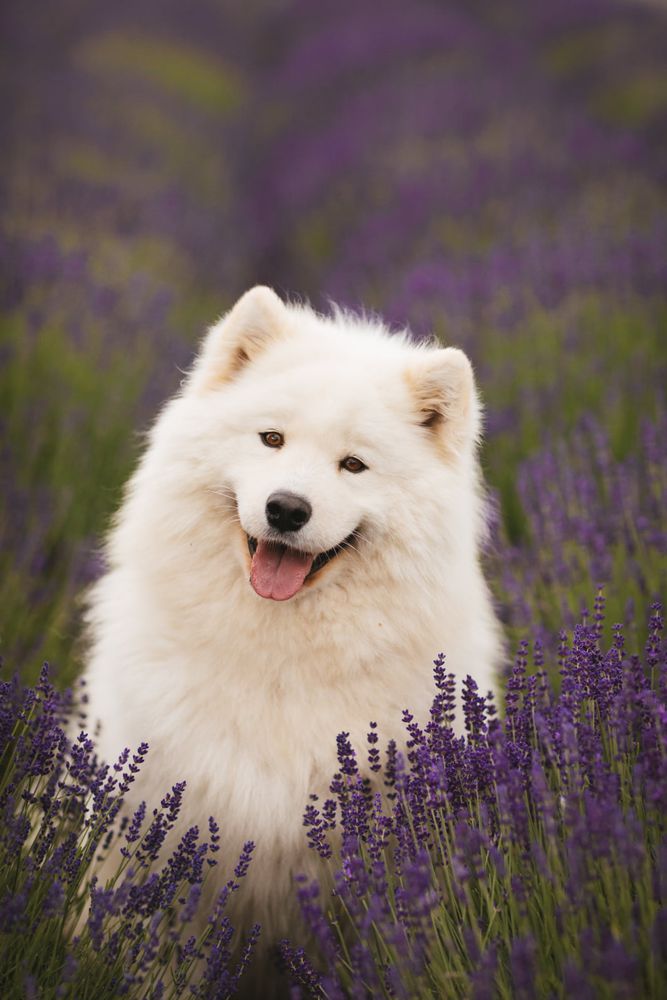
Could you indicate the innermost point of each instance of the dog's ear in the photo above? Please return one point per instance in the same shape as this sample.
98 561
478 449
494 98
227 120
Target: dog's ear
443 389
258 319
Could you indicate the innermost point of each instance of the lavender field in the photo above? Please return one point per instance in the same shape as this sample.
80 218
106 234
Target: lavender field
493 173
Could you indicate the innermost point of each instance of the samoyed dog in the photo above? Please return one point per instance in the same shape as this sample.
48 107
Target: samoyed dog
299 541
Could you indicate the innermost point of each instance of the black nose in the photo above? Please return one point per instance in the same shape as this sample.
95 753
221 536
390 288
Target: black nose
287 511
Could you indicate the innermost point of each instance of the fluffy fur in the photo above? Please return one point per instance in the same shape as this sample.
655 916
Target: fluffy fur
242 695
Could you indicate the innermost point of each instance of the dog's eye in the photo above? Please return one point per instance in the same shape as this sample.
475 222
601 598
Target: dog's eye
272 439
352 464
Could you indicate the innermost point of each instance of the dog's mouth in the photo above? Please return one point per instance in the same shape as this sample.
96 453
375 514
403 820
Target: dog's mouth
278 571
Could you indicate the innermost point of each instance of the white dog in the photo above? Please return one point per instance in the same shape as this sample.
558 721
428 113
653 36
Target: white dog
298 543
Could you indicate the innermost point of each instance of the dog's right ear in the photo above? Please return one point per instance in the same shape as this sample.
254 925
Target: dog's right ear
258 319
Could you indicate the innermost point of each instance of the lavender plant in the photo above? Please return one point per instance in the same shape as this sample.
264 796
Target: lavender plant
526 858
590 519
62 931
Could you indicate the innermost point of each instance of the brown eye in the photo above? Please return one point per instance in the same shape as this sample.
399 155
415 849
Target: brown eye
272 439
352 464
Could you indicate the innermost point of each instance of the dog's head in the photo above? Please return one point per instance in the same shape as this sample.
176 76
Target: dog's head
324 437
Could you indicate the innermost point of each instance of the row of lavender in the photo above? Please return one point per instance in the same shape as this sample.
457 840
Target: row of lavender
62 933
526 858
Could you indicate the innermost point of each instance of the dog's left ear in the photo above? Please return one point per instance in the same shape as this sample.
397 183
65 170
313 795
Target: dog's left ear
443 388
258 319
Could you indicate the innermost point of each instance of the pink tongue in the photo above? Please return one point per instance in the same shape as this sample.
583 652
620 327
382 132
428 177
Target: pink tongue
278 572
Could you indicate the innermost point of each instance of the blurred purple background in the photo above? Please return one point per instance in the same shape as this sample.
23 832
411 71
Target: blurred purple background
490 172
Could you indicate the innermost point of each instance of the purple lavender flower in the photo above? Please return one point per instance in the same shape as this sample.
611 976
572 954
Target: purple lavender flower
550 818
61 809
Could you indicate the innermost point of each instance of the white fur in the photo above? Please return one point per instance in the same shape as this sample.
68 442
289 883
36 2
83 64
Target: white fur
242 696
